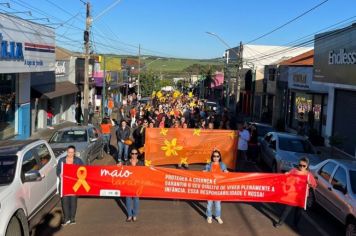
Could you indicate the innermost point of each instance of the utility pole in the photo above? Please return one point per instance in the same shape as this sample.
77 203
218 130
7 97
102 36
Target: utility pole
238 79
103 94
86 62
139 70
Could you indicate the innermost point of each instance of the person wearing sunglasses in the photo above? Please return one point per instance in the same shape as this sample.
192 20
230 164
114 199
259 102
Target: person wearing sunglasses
215 166
132 203
302 169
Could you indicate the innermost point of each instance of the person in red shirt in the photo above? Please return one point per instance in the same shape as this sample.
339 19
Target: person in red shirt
302 169
106 131
215 166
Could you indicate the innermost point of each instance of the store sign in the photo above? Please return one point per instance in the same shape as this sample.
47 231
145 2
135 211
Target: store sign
301 78
335 57
342 57
25 46
10 50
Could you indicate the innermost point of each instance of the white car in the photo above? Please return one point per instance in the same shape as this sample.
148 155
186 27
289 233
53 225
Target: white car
27 185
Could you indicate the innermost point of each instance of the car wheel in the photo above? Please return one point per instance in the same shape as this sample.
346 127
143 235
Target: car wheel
274 167
14 227
351 228
311 199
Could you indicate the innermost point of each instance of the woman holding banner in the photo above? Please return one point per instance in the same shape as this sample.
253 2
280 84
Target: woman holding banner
69 203
302 169
132 203
215 166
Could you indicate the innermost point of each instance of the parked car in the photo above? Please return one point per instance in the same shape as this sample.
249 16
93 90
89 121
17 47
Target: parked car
144 100
87 140
282 151
213 106
262 129
336 191
27 185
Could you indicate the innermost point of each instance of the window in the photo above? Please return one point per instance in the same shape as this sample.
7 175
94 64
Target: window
295 145
7 169
339 179
268 138
29 162
271 74
353 180
69 136
44 155
326 171
273 144
91 133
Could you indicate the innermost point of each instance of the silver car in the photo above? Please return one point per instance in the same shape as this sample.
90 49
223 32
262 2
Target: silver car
282 151
27 185
87 140
336 191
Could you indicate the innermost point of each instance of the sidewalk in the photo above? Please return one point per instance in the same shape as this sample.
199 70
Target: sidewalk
328 153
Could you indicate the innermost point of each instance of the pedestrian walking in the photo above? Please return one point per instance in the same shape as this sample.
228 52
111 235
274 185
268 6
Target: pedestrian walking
91 113
106 131
215 166
243 138
302 169
132 202
69 203
122 135
78 114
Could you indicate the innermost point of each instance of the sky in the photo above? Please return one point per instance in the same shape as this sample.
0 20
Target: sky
177 28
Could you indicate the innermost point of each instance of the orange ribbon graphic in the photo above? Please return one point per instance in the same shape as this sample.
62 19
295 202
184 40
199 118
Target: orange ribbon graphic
81 174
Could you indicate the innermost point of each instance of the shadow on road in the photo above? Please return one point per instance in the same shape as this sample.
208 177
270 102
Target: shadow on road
198 207
50 224
121 204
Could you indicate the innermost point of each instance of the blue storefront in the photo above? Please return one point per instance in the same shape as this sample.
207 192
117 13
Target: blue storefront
27 48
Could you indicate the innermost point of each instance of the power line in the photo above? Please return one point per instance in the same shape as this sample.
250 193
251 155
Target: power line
288 22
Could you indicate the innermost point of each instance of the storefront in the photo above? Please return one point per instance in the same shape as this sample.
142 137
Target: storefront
26 48
335 65
308 102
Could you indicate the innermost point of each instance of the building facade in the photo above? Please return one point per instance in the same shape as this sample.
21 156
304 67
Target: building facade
335 65
27 58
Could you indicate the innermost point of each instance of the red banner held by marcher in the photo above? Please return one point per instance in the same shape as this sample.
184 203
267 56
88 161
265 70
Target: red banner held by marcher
156 182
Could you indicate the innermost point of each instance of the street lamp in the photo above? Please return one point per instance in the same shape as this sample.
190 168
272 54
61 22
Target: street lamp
237 56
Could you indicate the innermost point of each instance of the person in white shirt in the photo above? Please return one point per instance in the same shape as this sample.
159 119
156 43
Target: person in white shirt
242 146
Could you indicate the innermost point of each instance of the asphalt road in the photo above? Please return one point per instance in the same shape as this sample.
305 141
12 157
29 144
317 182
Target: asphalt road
99 216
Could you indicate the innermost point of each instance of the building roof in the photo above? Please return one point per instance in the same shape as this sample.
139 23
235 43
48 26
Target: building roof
65 54
304 59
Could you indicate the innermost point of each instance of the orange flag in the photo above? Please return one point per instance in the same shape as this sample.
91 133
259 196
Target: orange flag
173 146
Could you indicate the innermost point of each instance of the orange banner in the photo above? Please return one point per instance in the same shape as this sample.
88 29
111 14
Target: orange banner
173 146
157 182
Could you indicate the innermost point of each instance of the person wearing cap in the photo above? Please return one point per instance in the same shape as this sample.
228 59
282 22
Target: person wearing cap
215 166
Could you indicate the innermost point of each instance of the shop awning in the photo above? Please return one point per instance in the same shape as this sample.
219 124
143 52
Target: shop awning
61 89
116 86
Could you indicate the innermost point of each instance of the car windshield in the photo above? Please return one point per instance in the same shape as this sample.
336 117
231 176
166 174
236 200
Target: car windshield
295 145
263 130
353 180
7 169
69 136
